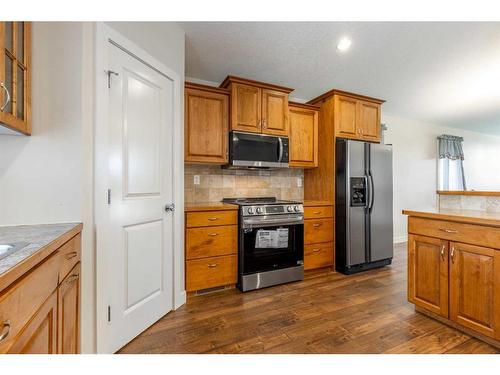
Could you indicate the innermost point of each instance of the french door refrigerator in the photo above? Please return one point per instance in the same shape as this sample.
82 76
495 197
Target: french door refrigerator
364 232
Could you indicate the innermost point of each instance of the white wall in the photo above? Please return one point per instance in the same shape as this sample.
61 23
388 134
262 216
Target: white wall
48 177
415 165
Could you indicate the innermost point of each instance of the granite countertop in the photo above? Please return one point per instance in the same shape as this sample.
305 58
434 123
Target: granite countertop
209 206
462 216
37 237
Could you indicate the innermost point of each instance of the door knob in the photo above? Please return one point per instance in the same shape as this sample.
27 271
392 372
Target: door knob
170 207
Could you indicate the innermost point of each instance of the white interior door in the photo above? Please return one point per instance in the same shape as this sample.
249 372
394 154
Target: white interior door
138 242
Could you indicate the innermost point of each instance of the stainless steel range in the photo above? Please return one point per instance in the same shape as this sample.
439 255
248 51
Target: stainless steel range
270 242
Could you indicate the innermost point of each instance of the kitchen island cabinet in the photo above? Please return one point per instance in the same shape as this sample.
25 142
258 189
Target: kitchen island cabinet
454 269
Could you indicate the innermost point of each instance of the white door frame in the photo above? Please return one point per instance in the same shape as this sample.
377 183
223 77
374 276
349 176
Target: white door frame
104 34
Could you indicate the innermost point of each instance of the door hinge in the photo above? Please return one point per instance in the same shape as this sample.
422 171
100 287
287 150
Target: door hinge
109 196
109 313
109 73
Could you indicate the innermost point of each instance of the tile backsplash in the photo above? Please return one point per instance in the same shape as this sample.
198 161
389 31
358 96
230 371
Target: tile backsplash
217 183
470 202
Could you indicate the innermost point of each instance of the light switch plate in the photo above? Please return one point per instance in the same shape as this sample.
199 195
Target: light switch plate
196 179
299 182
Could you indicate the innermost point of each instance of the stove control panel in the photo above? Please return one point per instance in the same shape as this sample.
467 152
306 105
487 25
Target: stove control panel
273 209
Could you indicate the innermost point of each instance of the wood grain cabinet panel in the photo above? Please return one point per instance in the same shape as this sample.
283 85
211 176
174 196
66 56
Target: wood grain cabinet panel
206 124
211 272
368 121
318 255
303 137
211 241
68 312
318 230
428 273
274 112
15 76
345 117
318 212
475 288
211 218
246 112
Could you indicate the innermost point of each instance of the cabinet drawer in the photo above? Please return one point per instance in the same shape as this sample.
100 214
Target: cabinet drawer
210 272
20 302
317 231
211 241
318 255
318 212
70 256
458 232
211 218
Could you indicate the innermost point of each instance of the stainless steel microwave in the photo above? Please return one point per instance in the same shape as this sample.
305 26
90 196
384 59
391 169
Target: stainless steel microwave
251 150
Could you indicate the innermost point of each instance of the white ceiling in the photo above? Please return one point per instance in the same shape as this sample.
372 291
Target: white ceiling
443 73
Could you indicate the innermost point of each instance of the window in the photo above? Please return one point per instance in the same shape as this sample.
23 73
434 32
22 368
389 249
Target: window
450 175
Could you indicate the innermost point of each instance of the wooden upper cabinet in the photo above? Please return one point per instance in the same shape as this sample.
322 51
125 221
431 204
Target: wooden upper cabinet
15 76
258 107
246 108
206 124
368 120
274 112
475 288
345 117
303 124
428 273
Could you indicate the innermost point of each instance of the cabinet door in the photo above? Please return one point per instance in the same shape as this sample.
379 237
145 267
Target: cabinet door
246 108
39 336
345 112
15 93
475 288
68 320
206 124
428 273
274 112
303 137
368 120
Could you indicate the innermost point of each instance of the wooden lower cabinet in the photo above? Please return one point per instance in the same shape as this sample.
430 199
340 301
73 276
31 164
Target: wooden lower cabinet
428 273
318 237
455 282
475 288
68 313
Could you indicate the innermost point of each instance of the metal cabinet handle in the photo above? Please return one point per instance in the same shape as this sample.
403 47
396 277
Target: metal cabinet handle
213 218
316 250
448 230
264 124
452 254
442 252
316 225
316 212
212 265
7 94
213 234
5 330
71 255
71 279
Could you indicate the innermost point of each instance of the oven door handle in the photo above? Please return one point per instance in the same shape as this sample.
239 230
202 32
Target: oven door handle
247 223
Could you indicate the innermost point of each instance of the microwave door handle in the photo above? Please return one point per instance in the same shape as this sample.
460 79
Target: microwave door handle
280 141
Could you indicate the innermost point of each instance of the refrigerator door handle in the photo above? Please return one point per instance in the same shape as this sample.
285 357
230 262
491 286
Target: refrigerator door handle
371 192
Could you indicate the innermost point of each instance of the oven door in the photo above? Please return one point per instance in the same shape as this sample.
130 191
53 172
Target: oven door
258 150
271 246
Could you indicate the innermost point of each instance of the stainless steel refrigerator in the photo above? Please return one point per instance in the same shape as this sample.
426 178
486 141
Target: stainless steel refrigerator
364 232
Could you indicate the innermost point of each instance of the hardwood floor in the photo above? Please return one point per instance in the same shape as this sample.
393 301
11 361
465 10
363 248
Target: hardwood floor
326 313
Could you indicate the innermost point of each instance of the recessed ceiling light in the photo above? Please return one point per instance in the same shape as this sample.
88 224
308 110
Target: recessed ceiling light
344 44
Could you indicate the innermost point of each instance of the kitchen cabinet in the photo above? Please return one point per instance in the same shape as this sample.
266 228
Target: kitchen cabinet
258 107
206 124
357 118
428 273
15 76
318 236
303 137
211 247
452 280
40 311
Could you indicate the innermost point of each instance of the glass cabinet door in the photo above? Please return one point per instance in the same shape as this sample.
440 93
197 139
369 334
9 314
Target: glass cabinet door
14 75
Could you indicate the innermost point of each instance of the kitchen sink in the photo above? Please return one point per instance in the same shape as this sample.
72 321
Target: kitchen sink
7 249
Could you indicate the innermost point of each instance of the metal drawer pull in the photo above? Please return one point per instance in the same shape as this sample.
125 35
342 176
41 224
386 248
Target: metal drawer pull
448 230
316 212
316 225
453 254
212 265
5 330
442 252
71 279
316 250
213 218
213 234
71 255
